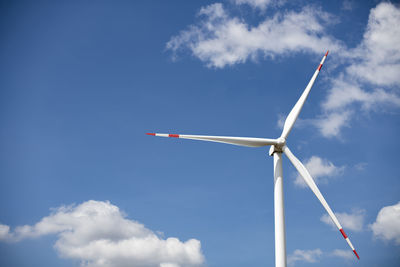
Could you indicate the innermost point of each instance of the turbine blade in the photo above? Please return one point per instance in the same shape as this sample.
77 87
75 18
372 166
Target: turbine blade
310 182
294 113
239 141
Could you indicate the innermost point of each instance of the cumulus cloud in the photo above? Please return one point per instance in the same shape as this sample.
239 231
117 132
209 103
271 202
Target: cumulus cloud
379 51
387 224
331 124
346 93
371 80
220 39
98 234
339 106
320 169
353 221
304 255
370 76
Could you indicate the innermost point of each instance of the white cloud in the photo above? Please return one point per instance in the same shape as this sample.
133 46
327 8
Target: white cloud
4 232
330 124
387 224
370 76
348 5
281 121
360 166
168 265
312 256
320 169
374 63
340 103
304 255
344 93
221 40
260 4
344 254
98 234
353 221
379 52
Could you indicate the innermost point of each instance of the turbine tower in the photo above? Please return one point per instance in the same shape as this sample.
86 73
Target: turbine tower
278 146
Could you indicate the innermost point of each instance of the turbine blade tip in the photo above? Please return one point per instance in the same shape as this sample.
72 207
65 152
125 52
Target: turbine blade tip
153 134
355 252
327 53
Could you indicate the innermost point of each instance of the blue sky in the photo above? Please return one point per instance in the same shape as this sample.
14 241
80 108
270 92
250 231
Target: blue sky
82 82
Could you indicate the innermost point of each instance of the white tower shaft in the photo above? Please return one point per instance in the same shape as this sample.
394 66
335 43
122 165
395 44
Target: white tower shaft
280 236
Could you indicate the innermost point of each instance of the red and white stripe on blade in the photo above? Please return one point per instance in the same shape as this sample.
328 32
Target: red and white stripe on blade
310 182
294 113
239 141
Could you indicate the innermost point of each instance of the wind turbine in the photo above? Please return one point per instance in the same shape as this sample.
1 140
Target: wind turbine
278 146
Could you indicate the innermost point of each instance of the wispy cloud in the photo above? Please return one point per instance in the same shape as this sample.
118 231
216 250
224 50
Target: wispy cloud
360 166
5 232
98 234
258 4
344 254
353 221
320 169
315 255
304 255
387 224
348 5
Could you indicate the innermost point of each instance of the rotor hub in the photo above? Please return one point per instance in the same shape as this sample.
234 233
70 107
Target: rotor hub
280 143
